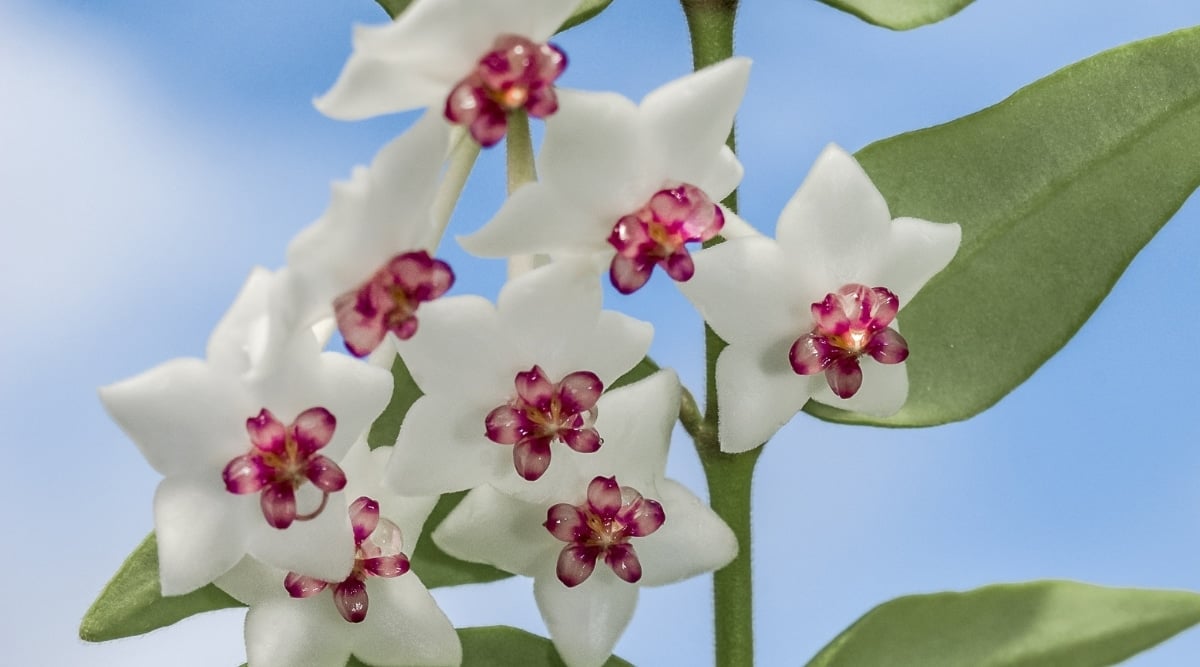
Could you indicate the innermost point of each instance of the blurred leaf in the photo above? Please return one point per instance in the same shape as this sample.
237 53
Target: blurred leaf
503 645
404 393
899 14
1056 189
1038 624
586 11
438 568
644 369
132 603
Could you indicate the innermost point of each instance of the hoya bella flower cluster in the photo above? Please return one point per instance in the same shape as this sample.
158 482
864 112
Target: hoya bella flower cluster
270 489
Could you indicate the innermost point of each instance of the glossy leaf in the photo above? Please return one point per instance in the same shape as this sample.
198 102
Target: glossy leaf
503 645
900 14
586 11
1056 189
438 568
132 603
405 392
1038 624
644 369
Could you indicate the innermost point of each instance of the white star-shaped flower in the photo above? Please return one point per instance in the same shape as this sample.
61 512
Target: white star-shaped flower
507 387
629 184
379 611
618 525
248 443
473 61
368 260
811 314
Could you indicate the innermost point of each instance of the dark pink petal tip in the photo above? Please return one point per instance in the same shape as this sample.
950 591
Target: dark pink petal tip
313 429
246 474
575 564
325 474
643 517
579 391
387 566
604 496
506 425
624 562
301 586
887 346
584 440
565 522
364 517
350 598
278 503
531 458
844 377
266 432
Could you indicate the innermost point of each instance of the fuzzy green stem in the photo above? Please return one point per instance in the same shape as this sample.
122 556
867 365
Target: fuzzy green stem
710 24
463 153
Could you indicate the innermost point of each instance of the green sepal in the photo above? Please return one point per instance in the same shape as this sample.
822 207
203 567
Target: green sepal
899 14
438 568
586 11
1037 624
133 604
1056 189
405 392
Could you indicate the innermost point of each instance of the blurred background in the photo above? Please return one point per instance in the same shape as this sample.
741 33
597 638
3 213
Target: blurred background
152 153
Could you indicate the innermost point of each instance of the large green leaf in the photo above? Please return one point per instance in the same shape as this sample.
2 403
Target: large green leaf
899 14
644 369
438 568
586 10
1056 189
503 645
132 603
1039 624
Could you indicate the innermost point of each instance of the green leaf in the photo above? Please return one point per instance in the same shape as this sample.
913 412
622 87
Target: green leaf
404 393
644 369
1056 189
899 14
1038 624
132 603
503 645
586 11
438 568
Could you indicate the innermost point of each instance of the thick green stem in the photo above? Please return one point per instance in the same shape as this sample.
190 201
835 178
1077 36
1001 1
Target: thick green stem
463 152
710 24
519 153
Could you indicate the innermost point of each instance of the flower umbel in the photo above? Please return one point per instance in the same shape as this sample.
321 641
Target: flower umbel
850 323
602 526
388 301
516 74
543 412
377 544
656 234
281 458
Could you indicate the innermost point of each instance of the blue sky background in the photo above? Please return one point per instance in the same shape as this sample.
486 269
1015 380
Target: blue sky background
152 153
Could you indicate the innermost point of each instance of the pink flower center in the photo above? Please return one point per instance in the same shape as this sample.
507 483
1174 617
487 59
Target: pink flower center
388 301
545 411
656 234
377 553
281 459
602 526
849 323
515 74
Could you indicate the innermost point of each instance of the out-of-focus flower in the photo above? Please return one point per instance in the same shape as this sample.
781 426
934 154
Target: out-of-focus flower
475 62
812 315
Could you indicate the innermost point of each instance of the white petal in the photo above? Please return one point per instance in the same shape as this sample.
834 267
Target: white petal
758 392
459 350
748 292
586 621
491 527
538 218
884 390
322 547
404 626
612 347
201 531
183 416
287 632
689 119
354 391
723 174
836 225
381 212
595 154
736 227
251 581
692 540
917 251
243 327
442 448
